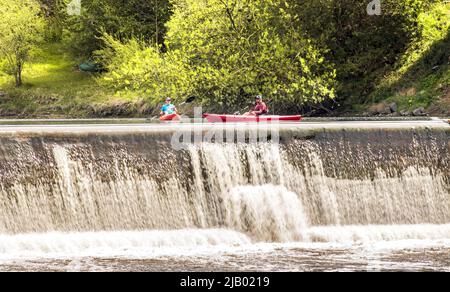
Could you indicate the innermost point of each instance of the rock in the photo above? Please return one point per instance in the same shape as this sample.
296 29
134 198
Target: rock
386 111
393 106
383 109
404 113
420 112
378 109
396 114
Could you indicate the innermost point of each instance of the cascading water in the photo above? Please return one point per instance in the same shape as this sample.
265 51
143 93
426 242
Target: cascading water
59 194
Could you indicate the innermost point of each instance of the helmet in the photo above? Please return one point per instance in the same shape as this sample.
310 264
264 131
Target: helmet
259 97
168 99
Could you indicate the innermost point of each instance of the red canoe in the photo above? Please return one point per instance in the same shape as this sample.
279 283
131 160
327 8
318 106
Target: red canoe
249 119
168 118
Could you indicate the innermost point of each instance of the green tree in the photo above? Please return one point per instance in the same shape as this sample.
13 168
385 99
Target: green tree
55 13
21 27
139 67
125 19
239 48
294 52
226 51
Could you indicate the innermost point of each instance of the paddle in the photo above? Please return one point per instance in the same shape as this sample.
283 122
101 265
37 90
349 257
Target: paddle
189 100
246 109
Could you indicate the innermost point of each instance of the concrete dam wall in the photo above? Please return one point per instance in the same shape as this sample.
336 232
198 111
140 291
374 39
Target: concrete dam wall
358 178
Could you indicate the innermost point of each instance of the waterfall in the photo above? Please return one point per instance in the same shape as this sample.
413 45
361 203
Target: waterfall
265 192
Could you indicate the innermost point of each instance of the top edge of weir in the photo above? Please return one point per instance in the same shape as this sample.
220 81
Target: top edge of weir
121 129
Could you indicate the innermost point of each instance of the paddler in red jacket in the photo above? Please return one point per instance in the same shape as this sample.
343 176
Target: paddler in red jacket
259 109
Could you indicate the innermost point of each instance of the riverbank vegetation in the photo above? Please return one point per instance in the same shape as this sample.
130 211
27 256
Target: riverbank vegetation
318 57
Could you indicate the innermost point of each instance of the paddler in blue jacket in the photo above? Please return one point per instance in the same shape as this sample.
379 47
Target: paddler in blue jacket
168 108
169 112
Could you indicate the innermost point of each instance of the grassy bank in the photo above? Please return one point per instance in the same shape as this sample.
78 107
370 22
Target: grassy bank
422 80
54 87
421 77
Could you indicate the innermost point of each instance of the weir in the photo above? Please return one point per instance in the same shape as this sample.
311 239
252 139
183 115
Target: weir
321 182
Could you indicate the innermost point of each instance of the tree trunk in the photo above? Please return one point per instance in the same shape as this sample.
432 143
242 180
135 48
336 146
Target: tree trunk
156 7
19 76
225 104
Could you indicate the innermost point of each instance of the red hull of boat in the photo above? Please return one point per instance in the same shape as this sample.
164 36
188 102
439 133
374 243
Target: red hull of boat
169 118
249 119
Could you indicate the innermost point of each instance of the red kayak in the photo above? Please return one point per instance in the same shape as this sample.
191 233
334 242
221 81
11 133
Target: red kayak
249 119
168 118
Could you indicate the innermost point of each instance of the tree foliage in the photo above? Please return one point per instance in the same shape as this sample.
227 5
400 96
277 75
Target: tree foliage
137 66
235 49
241 48
125 19
426 55
55 13
364 48
21 27
295 52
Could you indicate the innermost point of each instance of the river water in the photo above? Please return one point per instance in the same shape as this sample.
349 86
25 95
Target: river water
107 198
220 250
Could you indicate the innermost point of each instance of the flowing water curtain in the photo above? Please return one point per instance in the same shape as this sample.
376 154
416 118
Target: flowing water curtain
268 192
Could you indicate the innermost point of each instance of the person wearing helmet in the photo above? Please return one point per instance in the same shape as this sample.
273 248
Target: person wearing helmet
260 108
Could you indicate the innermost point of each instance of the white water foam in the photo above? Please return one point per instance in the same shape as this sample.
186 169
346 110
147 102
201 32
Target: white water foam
109 244
381 233
269 213
370 242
